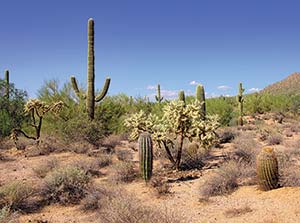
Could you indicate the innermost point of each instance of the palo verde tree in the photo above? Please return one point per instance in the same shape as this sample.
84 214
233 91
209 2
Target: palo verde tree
90 97
178 122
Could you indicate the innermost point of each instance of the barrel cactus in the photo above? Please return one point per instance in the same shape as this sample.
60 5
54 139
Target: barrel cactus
145 155
267 169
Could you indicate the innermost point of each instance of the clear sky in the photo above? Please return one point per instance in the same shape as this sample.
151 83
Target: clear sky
140 43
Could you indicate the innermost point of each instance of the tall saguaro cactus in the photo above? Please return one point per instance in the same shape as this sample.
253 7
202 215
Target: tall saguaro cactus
90 97
158 96
240 101
145 155
200 96
6 74
267 169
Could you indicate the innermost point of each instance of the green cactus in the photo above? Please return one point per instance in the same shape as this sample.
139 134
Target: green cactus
158 96
181 96
145 155
200 96
267 169
6 73
240 101
90 95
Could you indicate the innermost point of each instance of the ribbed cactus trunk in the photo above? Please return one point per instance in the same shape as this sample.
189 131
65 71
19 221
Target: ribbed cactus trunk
158 97
240 101
200 96
267 169
145 155
90 100
181 96
90 94
6 73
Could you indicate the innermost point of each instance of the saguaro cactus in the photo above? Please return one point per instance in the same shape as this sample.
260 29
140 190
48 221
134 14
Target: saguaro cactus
181 96
158 96
267 169
6 76
240 101
200 96
90 94
145 155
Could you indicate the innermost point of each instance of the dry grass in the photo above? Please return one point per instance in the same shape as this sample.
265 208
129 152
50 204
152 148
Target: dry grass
246 148
81 147
45 167
274 139
124 155
223 181
226 135
112 141
236 212
65 185
15 194
123 172
7 216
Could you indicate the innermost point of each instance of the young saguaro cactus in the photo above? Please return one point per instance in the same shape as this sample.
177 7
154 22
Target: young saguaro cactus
145 155
200 96
90 97
240 101
181 96
6 76
158 97
267 169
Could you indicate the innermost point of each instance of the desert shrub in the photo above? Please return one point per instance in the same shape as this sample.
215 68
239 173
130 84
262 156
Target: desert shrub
14 194
11 110
6 216
290 176
45 167
104 160
123 172
92 200
223 107
226 135
81 147
112 141
275 139
160 186
223 181
194 159
89 166
235 212
124 155
246 148
66 185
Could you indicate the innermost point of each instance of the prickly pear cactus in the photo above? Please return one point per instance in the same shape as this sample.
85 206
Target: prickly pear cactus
267 169
145 156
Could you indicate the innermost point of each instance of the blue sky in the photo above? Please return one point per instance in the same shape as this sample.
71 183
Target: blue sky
140 43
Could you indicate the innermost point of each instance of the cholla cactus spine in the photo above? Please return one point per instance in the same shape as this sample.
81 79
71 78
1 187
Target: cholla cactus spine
200 96
267 169
158 97
90 97
240 101
145 155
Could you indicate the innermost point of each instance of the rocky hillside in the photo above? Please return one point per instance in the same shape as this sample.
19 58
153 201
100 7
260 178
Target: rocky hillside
289 85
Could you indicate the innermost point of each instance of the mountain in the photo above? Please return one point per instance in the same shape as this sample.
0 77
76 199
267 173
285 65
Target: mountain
289 85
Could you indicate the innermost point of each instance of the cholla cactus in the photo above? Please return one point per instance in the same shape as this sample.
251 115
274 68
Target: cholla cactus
36 109
179 121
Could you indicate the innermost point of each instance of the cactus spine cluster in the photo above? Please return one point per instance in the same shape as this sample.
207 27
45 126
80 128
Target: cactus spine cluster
6 74
90 97
267 169
145 155
158 97
240 101
200 96
181 96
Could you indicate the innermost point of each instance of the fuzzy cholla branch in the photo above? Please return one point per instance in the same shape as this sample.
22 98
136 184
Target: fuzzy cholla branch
41 108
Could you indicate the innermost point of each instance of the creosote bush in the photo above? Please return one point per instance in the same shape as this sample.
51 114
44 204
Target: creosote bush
66 185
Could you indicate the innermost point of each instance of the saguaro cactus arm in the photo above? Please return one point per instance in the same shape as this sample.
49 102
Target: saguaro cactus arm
104 90
7 83
76 89
158 97
181 96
